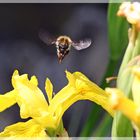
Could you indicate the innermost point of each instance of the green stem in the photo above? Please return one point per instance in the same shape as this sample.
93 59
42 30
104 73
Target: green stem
136 51
51 132
129 51
60 128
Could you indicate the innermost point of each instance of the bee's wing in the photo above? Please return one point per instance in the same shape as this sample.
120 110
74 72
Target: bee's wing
83 44
46 37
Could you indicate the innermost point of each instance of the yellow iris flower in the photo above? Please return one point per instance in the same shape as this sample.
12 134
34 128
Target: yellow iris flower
47 115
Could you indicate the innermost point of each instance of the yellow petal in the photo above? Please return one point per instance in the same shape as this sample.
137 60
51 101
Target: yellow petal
77 75
121 103
7 100
15 73
49 89
71 78
47 121
91 91
29 97
78 88
34 80
24 129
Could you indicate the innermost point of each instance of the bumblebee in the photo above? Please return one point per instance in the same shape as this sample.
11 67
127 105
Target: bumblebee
64 43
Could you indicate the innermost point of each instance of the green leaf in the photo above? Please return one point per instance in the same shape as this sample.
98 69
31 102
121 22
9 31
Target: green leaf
118 32
104 128
121 126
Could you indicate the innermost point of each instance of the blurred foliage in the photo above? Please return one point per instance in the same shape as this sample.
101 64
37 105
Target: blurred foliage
117 32
118 39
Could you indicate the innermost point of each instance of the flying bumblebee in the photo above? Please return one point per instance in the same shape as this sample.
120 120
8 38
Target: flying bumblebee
63 44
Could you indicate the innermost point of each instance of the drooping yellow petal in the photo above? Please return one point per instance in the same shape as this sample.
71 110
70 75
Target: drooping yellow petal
121 103
24 129
49 89
78 88
29 97
7 100
90 90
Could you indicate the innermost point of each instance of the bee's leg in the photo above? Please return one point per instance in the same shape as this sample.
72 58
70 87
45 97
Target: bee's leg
66 52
